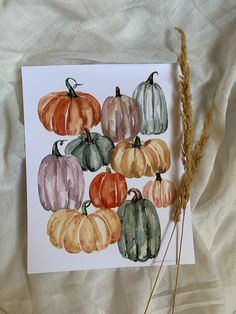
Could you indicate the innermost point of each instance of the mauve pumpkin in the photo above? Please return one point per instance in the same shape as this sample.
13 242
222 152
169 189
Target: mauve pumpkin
69 113
151 101
162 193
85 232
60 181
120 117
107 189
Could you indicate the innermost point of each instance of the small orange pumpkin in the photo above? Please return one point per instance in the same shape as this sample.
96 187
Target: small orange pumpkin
85 232
69 113
162 193
108 190
137 159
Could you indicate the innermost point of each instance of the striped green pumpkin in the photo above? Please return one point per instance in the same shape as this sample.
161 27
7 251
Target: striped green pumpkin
140 229
91 149
151 101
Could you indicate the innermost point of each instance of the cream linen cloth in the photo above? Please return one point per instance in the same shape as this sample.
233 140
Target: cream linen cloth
72 32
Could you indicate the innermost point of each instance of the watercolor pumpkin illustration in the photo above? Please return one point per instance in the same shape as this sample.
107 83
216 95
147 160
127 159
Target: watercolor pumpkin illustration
151 101
120 117
138 158
140 228
69 112
162 193
60 181
108 190
91 149
85 232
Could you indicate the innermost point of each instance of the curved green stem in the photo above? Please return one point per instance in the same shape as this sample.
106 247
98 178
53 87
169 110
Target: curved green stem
137 142
55 150
150 78
84 207
137 194
71 89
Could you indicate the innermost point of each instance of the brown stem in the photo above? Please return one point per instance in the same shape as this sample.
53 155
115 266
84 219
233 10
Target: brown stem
150 78
158 177
108 169
89 137
118 94
137 194
137 142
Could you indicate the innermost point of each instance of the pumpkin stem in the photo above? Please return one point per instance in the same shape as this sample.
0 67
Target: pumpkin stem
118 94
137 142
71 89
150 78
89 137
84 207
137 194
108 169
55 150
158 176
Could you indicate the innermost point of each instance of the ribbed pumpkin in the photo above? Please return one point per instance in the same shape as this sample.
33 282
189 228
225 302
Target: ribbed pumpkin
108 190
91 149
60 181
85 232
162 193
150 98
140 229
137 159
120 117
69 113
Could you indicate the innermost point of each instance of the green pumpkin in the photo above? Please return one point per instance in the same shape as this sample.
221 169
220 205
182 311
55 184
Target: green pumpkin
91 149
151 101
140 229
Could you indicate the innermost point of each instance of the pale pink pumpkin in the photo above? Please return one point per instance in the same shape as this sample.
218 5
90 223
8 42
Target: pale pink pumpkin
162 193
120 117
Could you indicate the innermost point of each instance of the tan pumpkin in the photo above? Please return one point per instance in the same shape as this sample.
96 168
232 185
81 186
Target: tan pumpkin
137 159
120 117
162 193
69 112
85 232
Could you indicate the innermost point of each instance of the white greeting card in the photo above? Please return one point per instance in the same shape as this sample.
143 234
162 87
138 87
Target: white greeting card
103 166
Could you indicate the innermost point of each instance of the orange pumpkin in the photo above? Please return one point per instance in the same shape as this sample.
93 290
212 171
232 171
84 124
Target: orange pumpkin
108 190
85 232
137 159
162 193
69 113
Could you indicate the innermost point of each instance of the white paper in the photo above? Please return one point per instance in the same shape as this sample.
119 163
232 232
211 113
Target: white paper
100 81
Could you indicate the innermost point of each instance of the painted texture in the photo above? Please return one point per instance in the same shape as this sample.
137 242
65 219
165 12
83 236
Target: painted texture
60 182
76 232
120 118
91 149
138 158
151 101
140 230
69 113
162 193
108 190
